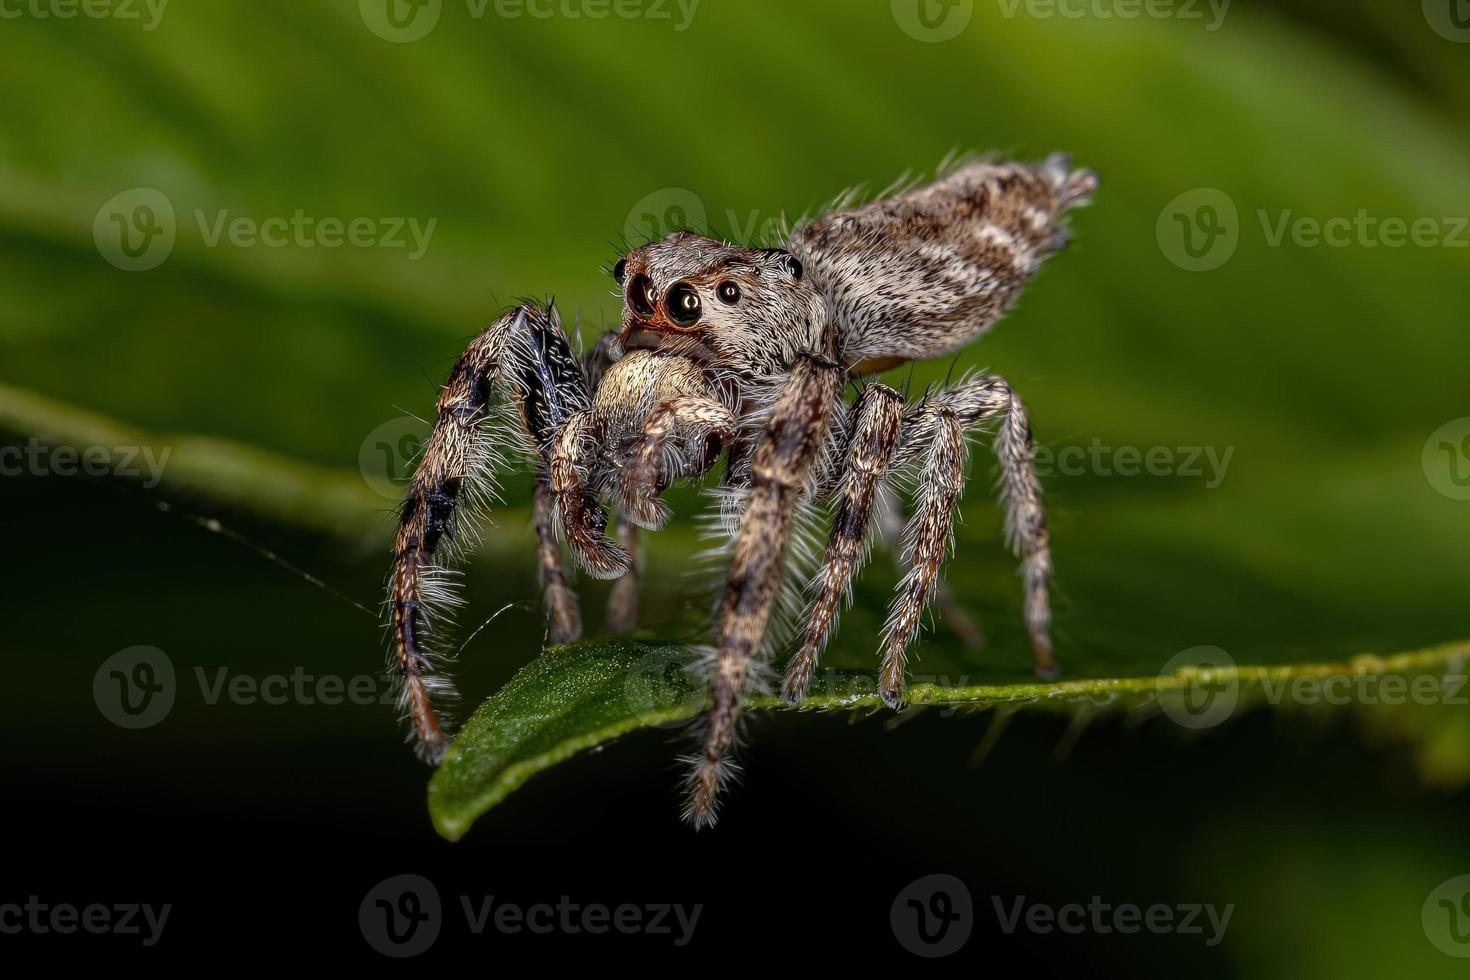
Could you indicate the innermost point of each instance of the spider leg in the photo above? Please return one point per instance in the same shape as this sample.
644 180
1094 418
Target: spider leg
655 464
622 600
523 357
785 458
935 430
583 519
889 516
877 415
564 619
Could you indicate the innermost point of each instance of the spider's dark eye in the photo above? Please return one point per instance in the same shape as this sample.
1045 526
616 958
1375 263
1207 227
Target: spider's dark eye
641 295
620 270
729 293
684 306
793 266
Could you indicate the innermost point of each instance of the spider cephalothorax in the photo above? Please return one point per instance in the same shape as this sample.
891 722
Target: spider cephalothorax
744 353
747 310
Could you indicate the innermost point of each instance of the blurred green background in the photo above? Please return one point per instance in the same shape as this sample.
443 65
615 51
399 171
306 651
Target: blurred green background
535 146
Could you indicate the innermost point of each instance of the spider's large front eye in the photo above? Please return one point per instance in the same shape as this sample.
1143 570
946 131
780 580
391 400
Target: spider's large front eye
684 306
641 295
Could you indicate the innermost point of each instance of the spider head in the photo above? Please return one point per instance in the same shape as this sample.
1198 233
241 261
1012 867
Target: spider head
745 309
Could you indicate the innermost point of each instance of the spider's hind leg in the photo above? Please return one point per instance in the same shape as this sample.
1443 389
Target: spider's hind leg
888 514
934 432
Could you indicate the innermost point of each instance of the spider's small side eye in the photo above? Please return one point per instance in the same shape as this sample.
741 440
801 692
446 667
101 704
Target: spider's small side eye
793 266
641 295
684 306
620 271
728 292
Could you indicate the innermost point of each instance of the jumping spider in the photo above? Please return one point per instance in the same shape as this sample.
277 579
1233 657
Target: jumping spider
746 352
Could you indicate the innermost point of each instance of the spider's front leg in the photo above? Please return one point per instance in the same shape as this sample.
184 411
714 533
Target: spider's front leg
704 423
779 471
523 358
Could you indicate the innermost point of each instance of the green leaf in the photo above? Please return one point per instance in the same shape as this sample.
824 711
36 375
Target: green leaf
580 696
